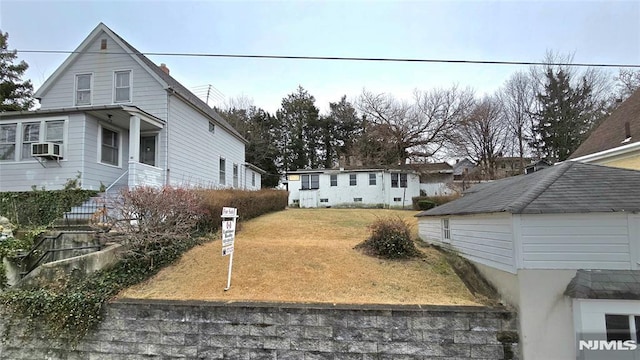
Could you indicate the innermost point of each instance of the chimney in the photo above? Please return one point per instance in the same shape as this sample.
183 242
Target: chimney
164 68
627 130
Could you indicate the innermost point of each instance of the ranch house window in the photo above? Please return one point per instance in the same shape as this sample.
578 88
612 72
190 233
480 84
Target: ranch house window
352 180
310 182
212 128
622 327
122 86
446 230
403 180
253 179
357 199
372 179
334 180
223 171
8 142
83 89
394 180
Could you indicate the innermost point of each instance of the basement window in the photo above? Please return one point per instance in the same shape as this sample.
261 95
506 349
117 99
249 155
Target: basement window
324 200
397 199
357 199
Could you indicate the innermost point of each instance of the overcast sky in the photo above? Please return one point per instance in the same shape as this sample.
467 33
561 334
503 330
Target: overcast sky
596 31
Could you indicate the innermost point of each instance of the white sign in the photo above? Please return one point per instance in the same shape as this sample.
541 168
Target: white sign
229 212
227 250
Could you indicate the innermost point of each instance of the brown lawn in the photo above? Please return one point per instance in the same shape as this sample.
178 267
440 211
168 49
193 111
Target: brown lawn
307 255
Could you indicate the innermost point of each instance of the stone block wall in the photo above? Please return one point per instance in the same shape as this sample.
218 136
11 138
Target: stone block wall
144 329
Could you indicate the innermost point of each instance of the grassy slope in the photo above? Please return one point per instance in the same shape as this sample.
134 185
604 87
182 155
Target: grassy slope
306 255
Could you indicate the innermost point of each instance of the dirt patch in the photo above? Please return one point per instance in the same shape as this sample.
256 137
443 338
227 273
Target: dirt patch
307 255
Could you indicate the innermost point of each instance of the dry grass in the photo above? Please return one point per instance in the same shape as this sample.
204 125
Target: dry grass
306 255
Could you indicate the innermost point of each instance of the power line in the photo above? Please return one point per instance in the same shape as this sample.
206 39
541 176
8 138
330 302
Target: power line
338 58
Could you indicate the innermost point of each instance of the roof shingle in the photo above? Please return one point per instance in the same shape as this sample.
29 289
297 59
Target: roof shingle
570 187
611 133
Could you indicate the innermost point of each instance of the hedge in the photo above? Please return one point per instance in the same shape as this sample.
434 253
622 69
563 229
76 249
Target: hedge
40 207
429 200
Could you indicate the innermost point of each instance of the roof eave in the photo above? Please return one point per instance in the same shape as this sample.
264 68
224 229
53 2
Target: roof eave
601 155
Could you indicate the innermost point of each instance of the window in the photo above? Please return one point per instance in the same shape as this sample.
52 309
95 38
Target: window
334 180
310 182
122 86
357 199
235 175
212 128
83 89
223 171
403 180
253 179
446 230
54 131
352 180
324 200
394 180
30 135
372 179
8 142
397 199
110 151
622 327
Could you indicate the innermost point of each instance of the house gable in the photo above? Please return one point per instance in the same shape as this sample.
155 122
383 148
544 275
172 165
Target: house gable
617 135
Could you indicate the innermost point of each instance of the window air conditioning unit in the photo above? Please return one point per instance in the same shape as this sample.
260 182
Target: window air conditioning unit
46 150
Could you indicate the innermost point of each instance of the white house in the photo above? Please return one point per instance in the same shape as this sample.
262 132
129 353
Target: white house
353 187
111 115
547 241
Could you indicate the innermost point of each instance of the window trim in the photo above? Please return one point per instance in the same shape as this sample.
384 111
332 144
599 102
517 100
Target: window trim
404 183
333 180
373 177
353 179
309 182
15 141
23 142
222 171
212 127
75 89
100 144
236 175
446 230
115 86
253 178
17 158
397 180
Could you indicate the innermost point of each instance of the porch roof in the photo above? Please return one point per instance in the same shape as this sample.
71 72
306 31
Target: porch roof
117 115
605 284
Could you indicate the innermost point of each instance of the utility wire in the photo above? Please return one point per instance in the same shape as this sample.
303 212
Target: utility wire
338 58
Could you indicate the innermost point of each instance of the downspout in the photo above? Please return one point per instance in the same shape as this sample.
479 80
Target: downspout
166 146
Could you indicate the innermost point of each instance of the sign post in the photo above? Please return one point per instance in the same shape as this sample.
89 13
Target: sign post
228 237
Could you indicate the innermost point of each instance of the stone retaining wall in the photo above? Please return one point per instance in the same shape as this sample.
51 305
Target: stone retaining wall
144 329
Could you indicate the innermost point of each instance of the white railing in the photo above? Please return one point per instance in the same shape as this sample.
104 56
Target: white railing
113 184
145 175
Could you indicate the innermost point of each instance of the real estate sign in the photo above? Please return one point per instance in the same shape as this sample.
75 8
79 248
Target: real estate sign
228 236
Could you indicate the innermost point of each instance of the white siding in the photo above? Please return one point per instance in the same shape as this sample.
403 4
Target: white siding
486 238
576 241
148 93
194 152
22 175
247 179
97 173
343 194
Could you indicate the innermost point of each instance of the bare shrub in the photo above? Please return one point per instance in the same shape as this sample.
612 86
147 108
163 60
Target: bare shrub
390 239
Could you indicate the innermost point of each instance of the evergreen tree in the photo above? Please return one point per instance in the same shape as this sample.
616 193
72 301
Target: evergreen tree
565 114
15 94
300 132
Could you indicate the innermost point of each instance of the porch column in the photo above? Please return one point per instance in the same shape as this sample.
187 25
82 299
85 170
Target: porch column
134 139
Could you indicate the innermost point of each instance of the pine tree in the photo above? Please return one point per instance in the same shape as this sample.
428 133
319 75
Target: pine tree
15 94
564 117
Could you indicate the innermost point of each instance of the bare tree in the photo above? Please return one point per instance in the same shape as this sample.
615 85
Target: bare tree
417 129
482 135
627 82
517 97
